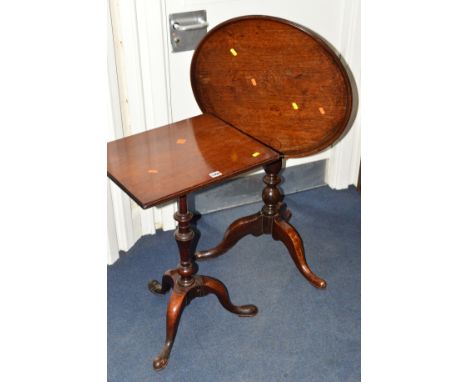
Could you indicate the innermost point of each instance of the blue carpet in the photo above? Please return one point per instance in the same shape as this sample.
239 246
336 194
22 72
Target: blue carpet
300 333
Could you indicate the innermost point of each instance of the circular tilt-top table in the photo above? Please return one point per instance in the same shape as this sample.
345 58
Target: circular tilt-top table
269 89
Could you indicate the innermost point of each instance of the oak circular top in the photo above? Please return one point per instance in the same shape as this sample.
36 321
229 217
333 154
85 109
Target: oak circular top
276 81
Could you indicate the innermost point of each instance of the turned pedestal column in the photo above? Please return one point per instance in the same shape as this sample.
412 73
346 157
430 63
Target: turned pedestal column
187 285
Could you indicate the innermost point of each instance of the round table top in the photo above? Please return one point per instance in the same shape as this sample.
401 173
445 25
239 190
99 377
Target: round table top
276 81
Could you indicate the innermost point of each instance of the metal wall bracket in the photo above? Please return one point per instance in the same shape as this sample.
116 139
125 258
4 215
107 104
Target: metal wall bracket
186 29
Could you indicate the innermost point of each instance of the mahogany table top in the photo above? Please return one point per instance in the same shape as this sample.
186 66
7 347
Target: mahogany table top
277 81
170 161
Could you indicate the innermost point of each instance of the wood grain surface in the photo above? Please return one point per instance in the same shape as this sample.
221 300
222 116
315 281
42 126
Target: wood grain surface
161 164
276 81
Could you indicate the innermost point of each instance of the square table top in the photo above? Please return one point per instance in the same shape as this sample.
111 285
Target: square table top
170 161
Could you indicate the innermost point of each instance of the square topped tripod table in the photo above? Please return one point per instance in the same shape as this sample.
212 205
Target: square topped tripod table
169 162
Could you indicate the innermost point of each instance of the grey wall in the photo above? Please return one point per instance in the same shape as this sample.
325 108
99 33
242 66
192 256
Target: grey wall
248 189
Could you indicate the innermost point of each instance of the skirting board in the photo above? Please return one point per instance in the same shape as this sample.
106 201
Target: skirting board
248 189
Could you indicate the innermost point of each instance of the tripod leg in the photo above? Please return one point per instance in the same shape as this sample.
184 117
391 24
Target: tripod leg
162 288
174 311
286 233
212 285
244 226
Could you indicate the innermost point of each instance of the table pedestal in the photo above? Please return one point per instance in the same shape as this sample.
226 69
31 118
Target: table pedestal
187 285
273 219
